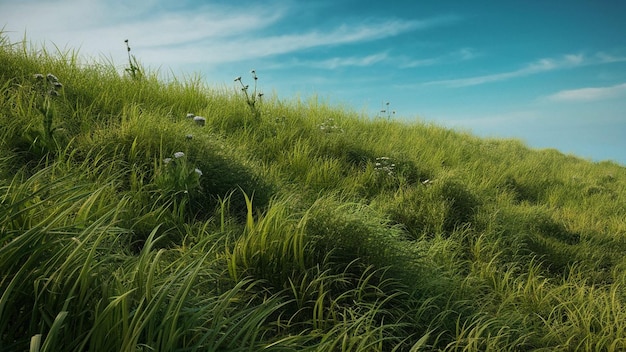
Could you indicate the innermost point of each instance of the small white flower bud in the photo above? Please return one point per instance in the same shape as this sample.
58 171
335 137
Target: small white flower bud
201 121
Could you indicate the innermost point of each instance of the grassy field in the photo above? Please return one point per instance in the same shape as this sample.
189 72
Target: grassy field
143 215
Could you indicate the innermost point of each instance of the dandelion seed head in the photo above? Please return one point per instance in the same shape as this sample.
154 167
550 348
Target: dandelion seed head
178 155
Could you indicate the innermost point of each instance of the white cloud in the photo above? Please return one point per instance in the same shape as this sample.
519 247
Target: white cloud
208 35
539 66
590 94
362 61
246 46
463 54
530 69
156 36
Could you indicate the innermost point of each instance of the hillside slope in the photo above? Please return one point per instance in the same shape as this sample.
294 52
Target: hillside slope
138 214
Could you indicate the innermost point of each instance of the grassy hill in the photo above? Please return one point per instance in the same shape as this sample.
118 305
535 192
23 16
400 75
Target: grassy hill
126 224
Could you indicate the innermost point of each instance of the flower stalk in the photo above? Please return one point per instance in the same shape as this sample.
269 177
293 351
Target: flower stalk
253 99
133 69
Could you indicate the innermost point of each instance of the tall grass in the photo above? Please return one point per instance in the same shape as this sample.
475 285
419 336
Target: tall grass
287 225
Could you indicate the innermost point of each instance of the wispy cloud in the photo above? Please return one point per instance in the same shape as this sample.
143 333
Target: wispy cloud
209 34
543 65
331 63
217 50
98 27
590 94
455 56
360 61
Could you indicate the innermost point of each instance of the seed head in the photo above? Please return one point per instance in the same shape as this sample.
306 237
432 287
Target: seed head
238 79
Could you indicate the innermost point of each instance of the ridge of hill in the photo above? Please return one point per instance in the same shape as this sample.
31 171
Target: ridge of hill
137 214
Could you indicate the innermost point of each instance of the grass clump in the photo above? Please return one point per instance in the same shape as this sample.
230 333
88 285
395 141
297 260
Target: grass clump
137 214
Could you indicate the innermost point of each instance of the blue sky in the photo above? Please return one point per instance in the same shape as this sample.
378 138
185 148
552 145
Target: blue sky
551 73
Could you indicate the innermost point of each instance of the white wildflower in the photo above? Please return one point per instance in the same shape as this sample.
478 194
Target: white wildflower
178 155
201 121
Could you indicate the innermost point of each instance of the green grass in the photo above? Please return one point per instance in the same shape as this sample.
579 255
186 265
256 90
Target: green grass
287 225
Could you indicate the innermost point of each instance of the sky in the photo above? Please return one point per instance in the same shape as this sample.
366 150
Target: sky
549 73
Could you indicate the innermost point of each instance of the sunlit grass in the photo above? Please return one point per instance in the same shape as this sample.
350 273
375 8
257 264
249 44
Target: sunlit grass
286 225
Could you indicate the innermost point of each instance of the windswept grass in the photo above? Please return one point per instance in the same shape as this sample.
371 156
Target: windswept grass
141 215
